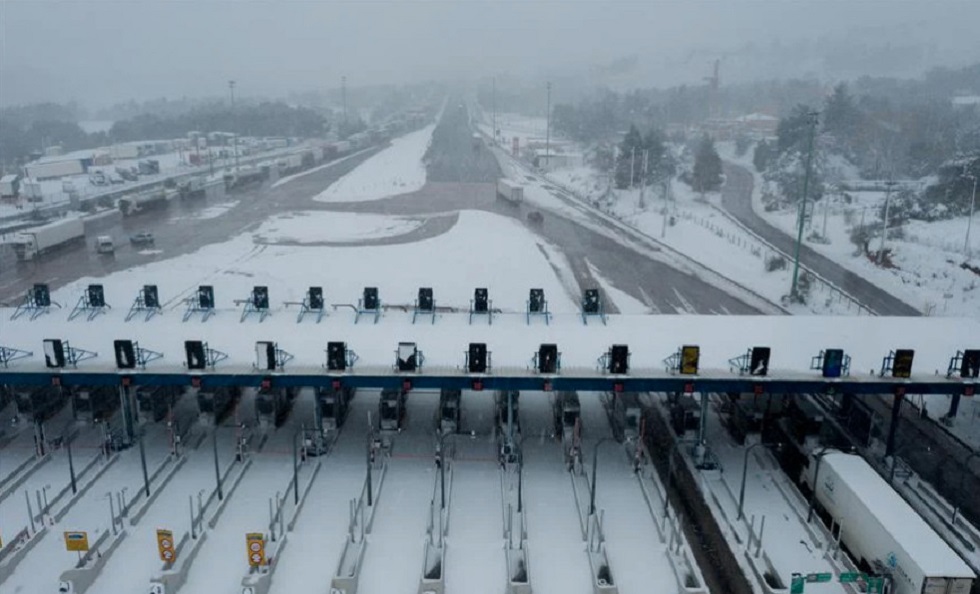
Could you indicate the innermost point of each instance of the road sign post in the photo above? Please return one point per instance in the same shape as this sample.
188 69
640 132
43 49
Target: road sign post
796 584
165 546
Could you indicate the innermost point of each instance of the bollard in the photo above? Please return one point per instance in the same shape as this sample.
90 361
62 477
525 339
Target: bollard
190 504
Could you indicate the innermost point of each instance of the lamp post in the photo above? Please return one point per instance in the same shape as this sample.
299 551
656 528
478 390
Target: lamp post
670 474
816 474
745 469
813 117
969 221
595 467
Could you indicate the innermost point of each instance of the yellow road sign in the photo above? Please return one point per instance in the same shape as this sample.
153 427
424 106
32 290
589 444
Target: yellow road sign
76 541
256 548
689 359
165 546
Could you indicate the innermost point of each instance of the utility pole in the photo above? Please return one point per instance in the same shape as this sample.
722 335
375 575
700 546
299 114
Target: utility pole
884 221
794 292
493 103
231 88
343 93
969 221
643 178
547 137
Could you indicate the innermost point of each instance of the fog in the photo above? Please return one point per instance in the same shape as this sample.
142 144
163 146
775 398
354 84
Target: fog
100 52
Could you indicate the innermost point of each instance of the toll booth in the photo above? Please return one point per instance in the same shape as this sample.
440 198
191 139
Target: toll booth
449 411
804 419
391 409
333 405
568 413
156 402
501 400
627 414
685 414
39 404
272 405
94 404
214 404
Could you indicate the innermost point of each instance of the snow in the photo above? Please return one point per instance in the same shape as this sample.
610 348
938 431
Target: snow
927 273
211 212
312 227
295 176
786 542
397 169
88 514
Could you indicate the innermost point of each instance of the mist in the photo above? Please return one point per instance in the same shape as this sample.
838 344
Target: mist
100 52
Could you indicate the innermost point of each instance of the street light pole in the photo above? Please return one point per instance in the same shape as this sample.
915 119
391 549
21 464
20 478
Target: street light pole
884 222
231 87
595 467
547 137
794 292
745 469
816 474
969 221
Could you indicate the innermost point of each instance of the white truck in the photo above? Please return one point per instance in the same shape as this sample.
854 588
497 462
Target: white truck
510 191
104 245
31 243
881 529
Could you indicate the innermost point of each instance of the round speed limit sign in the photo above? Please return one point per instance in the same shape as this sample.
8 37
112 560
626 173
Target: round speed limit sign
168 555
256 558
166 544
255 547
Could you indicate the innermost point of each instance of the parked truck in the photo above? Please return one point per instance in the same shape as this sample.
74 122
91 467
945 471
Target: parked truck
35 241
510 191
882 531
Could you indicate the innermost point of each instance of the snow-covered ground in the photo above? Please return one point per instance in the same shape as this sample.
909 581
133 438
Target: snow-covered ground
397 169
318 226
927 257
39 570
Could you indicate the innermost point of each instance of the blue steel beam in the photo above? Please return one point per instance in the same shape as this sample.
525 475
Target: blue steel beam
503 381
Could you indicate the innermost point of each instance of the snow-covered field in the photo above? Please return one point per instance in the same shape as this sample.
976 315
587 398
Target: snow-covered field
318 226
396 170
927 257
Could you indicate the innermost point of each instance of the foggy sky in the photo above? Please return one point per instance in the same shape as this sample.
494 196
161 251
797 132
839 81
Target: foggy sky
98 52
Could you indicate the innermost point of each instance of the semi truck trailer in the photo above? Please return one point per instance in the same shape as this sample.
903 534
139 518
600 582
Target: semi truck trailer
35 241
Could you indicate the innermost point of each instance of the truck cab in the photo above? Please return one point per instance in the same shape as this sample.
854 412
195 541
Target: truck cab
104 244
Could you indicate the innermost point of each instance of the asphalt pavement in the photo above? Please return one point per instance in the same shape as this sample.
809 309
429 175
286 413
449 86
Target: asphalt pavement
461 175
736 197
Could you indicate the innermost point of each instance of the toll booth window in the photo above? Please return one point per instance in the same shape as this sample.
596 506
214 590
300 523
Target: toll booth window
631 421
389 410
328 409
448 412
570 417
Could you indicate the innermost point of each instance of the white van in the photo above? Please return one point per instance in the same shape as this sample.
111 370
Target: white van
104 244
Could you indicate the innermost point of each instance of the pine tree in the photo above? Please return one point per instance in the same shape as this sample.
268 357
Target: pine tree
706 176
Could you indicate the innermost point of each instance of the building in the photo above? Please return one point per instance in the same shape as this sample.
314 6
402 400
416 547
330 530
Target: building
549 162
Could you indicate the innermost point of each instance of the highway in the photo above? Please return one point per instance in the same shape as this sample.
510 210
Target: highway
736 197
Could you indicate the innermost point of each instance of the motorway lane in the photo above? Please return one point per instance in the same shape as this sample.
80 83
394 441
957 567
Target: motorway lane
176 230
462 177
736 197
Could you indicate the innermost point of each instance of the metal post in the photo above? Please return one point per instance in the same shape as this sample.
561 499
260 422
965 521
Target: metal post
231 87
703 425
520 480
217 470
595 465
893 426
112 512
493 102
884 222
670 476
146 475
442 474
343 91
816 476
71 465
745 470
632 162
969 221
370 495
30 511
190 505
295 469
802 215
547 139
